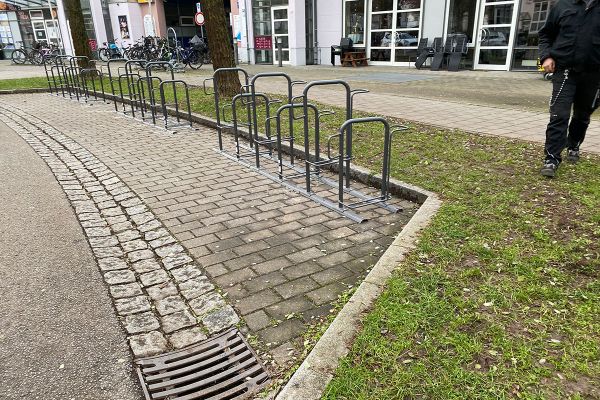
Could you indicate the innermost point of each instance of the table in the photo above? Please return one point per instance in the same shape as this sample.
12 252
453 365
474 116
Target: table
355 58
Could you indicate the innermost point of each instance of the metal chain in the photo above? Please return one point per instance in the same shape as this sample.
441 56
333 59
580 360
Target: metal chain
553 101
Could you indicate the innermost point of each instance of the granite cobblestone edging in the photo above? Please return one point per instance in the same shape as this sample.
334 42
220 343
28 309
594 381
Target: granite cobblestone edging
162 297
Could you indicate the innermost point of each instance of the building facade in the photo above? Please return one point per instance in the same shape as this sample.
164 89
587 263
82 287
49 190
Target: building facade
502 34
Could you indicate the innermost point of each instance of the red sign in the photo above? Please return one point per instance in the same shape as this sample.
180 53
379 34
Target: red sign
199 19
263 43
93 44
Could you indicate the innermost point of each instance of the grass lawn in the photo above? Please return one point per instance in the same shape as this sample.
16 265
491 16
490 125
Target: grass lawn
501 299
23 83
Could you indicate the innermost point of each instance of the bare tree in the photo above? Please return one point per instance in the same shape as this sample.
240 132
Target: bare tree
78 32
221 49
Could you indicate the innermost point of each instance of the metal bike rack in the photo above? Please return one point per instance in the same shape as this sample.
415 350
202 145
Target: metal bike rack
268 141
164 104
349 112
58 74
112 79
332 190
150 81
74 78
345 156
215 93
131 78
235 124
91 75
50 77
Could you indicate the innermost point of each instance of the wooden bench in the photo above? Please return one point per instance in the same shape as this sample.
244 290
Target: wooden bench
355 58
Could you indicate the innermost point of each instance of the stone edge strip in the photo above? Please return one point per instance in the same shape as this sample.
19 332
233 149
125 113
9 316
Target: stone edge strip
318 368
149 280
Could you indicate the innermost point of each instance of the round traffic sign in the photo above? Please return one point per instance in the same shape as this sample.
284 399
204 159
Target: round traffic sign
199 19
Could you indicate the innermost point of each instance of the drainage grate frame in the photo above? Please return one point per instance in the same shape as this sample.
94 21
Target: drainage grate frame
223 367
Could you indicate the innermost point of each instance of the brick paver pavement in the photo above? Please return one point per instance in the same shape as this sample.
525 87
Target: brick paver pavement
280 258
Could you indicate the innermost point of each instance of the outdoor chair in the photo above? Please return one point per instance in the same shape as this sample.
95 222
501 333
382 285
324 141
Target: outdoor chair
423 53
345 45
458 49
438 54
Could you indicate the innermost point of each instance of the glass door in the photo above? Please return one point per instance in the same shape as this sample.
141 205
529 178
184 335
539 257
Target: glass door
495 38
279 18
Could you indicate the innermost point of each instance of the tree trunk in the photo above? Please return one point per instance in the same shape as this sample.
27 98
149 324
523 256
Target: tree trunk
78 32
221 49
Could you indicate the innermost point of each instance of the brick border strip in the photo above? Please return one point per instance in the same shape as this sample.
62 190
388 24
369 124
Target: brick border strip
162 297
318 368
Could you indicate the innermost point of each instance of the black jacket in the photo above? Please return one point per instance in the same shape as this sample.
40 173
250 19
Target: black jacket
571 35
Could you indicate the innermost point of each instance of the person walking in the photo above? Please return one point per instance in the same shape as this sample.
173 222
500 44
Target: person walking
569 46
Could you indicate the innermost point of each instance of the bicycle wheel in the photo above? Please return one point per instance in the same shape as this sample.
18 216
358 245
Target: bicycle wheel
36 57
206 57
52 56
194 59
104 54
19 56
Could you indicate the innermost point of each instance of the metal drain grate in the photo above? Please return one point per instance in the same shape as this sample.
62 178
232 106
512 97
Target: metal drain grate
224 367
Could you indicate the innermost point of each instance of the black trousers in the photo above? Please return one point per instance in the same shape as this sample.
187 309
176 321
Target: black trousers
579 92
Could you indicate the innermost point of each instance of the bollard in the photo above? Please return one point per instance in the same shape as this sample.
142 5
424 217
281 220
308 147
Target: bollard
235 52
280 51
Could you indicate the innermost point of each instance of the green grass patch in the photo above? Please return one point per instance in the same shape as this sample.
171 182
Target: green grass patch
23 83
501 298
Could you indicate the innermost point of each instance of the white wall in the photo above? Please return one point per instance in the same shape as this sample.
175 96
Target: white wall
135 21
433 18
98 19
329 27
297 32
65 32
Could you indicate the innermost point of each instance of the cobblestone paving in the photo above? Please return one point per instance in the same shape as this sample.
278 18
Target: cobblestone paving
279 258
158 291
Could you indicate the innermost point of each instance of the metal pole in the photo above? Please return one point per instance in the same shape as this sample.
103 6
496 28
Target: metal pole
280 51
235 51
56 25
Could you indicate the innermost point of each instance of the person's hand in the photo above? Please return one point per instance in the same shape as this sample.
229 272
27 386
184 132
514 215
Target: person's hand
549 65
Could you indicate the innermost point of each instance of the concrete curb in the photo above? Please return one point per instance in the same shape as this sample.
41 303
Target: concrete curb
25 91
317 370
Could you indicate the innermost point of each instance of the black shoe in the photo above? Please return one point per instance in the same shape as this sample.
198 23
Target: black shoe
549 169
573 156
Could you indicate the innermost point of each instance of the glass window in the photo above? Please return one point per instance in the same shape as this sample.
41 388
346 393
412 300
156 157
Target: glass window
381 21
263 26
354 21
409 4
498 14
395 29
280 14
6 37
532 18
461 18
382 5
408 20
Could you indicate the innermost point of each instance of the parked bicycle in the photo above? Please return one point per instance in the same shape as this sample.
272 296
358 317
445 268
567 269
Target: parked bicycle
190 56
49 51
109 51
24 54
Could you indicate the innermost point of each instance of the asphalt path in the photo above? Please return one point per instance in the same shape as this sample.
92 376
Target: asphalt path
59 336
